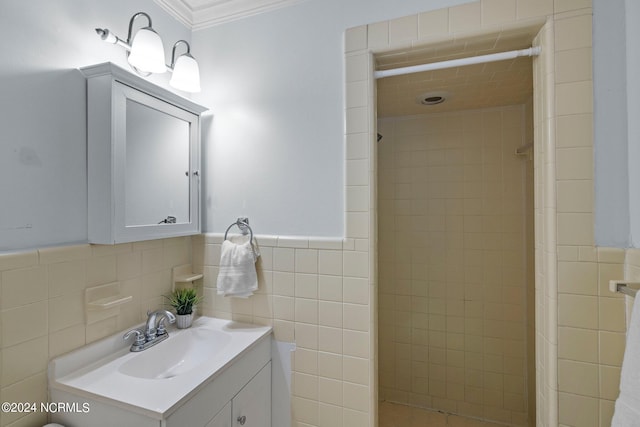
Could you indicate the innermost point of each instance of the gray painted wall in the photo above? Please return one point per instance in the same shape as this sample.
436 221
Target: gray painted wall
274 150
616 122
632 15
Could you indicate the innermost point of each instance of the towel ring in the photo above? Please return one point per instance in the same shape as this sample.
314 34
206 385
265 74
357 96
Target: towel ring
243 225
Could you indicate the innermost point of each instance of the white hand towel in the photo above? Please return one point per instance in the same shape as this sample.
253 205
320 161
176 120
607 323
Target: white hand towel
237 276
627 409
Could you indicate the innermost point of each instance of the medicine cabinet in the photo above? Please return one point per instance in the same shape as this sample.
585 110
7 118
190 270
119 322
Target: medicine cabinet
143 158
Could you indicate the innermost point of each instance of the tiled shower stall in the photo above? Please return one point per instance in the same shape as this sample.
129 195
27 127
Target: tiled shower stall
455 262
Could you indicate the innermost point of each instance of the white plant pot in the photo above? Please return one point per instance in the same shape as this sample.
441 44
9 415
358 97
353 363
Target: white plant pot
183 321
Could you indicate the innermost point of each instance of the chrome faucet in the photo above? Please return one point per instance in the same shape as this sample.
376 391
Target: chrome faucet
151 328
154 330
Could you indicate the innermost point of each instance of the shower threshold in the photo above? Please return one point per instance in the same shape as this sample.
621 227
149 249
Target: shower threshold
398 415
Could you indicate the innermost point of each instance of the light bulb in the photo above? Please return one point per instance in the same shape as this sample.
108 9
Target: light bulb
147 51
186 74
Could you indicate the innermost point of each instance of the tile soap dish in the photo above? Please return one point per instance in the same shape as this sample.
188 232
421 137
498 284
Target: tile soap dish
183 274
104 301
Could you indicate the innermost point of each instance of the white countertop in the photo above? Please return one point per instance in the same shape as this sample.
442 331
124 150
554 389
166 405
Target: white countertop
96 370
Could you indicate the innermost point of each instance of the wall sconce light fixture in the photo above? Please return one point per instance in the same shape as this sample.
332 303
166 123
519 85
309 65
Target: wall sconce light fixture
186 73
145 54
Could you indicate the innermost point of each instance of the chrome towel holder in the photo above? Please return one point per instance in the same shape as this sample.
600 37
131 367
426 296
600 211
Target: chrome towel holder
626 287
243 224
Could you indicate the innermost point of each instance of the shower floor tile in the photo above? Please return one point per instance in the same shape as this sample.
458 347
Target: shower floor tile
397 415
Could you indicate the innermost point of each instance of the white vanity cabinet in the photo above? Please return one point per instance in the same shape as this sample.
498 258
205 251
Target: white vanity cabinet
229 387
143 158
223 419
251 407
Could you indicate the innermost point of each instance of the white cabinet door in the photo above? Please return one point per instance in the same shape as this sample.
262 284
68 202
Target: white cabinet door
223 418
252 405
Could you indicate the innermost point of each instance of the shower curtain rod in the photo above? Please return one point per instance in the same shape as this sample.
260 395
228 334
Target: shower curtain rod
532 51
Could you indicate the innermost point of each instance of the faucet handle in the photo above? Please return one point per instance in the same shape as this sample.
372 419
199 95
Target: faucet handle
161 327
161 330
168 315
140 339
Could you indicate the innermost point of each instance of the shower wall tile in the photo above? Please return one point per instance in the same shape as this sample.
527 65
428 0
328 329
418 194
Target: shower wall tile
403 31
495 12
357 68
575 131
569 5
574 98
357 120
573 32
357 146
465 18
451 277
355 39
433 24
575 163
356 95
377 35
575 229
575 196
573 65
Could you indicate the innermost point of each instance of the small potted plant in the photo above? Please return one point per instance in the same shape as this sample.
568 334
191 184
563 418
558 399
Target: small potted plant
184 302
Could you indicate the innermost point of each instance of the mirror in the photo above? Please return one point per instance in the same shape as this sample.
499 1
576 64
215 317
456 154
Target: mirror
157 172
143 158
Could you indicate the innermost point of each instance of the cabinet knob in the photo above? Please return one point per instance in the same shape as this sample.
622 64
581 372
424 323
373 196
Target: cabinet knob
242 419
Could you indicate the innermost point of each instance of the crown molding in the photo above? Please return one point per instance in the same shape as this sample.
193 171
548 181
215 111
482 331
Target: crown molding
200 14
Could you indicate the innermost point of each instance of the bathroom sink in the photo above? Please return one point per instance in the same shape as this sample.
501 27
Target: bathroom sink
157 381
188 350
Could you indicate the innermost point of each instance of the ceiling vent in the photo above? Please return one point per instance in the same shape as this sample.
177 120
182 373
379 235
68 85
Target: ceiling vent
433 98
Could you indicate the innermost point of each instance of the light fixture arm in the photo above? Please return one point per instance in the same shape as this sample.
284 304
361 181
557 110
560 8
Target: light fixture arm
133 18
107 36
173 52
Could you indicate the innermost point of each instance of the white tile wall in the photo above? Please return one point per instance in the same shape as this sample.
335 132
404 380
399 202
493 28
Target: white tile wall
319 295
